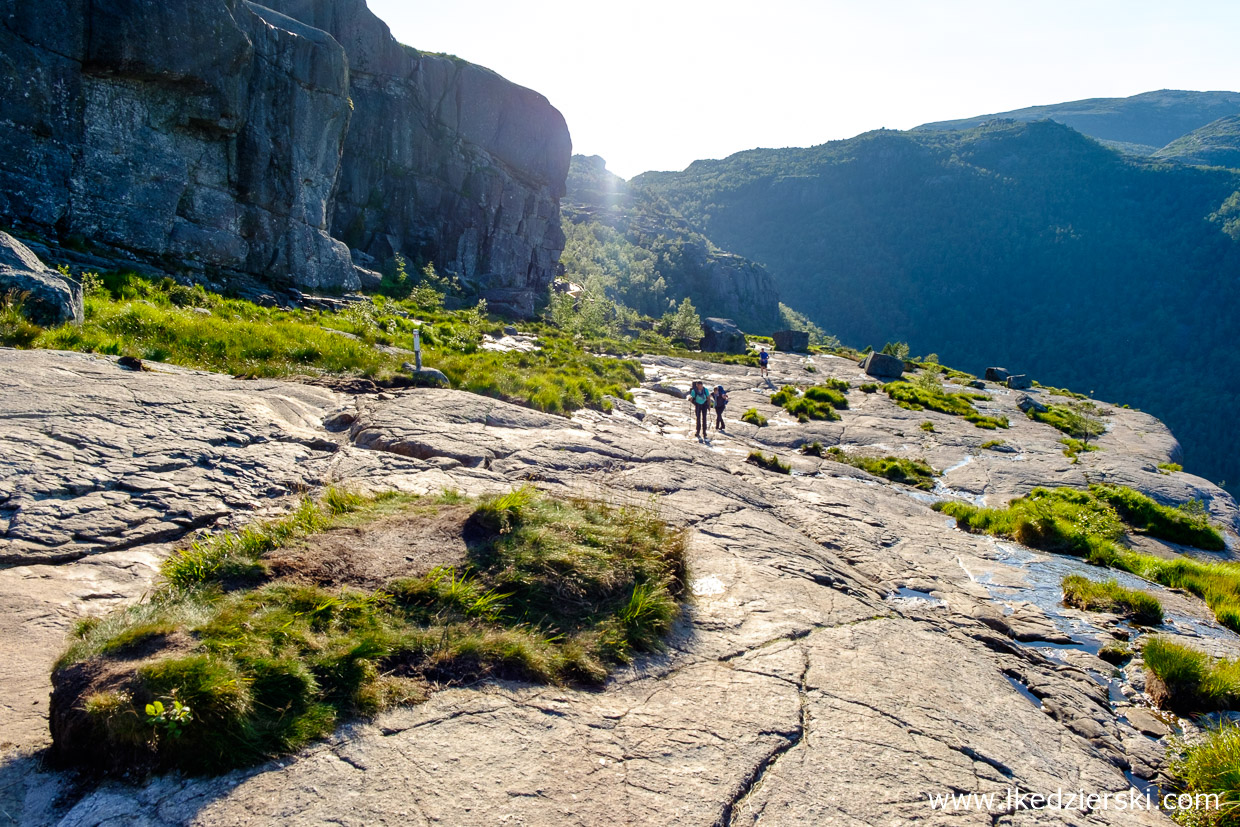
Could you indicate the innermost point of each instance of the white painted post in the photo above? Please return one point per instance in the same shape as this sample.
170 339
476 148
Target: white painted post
417 350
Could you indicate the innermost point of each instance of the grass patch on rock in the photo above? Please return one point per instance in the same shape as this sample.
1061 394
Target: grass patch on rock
1091 523
754 418
769 463
271 636
925 396
1207 771
1109 596
916 473
817 403
1187 680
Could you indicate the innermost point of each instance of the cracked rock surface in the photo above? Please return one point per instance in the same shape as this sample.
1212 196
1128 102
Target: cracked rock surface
848 653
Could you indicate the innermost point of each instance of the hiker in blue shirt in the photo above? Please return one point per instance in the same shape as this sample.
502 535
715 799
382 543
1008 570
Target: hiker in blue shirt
699 397
763 359
721 401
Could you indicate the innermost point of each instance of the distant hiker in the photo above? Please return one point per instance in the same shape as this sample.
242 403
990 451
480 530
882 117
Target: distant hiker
763 359
699 396
721 401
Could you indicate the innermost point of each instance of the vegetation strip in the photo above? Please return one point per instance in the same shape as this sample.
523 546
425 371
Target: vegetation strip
914 472
1110 596
246 663
927 394
1090 524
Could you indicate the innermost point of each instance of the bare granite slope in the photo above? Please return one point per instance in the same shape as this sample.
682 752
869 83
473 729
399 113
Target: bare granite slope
848 652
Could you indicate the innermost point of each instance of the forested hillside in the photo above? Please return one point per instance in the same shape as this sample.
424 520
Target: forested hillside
631 245
1217 144
1019 244
1139 124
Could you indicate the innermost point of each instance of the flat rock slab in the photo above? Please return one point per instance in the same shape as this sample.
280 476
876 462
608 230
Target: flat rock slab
795 689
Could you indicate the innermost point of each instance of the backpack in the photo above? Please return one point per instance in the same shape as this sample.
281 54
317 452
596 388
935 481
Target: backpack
721 397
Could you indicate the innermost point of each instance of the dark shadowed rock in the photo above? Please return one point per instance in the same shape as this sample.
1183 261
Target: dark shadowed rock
997 374
1027 403
510 301
1019 382
722 336
255 139
791 341
47 298
881 364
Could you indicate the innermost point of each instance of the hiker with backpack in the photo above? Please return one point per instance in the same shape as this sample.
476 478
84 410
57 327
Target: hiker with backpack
763 359
700 398
720 397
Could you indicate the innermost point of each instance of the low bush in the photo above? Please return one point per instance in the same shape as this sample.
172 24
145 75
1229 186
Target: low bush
869 387
554 590
1093 596
769 463
1170 467
1115 653
1079 420
916 473
927 426
1175 525
990 445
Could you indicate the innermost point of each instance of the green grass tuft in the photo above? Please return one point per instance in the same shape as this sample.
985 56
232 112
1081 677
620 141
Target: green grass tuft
1192 681
916 473
1208 772
816 403
769 463
927 396
754 418
1109 596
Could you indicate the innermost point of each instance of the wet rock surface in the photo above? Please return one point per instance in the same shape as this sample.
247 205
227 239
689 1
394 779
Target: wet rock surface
840 660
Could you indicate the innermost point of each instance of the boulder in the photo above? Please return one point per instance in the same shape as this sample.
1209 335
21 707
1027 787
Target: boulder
669 390
883 365
48 298
723 336
997 374
791 341
1028 403
426 376
1019 382
510 301
370 280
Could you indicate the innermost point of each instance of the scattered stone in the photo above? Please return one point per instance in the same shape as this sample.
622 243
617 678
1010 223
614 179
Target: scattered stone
340 420
722 336
509 330
626 407
883 365
370 280
997 374
791 341
47 298
130 363
1019 382
670 390
1146 722
425 375
1027 403
978 383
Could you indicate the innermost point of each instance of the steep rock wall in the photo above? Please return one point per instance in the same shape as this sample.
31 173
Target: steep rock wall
445 161
224 135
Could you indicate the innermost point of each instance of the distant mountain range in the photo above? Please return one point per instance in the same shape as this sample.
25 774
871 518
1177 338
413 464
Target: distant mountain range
1022 244
1141 124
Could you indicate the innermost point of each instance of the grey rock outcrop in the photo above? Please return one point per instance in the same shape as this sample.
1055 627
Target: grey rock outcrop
1019 382
997 374
791 341
883 365
225 136
722 336
47 298
798 688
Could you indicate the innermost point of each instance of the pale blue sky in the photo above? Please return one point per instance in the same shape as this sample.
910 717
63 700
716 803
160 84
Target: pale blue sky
657 85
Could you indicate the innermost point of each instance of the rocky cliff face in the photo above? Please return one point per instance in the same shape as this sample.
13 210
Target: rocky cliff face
223 135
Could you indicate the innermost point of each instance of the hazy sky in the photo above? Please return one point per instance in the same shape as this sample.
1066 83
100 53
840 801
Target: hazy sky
657 85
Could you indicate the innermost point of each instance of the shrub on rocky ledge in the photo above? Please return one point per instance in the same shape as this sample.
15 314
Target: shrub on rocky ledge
1110 596
269 637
